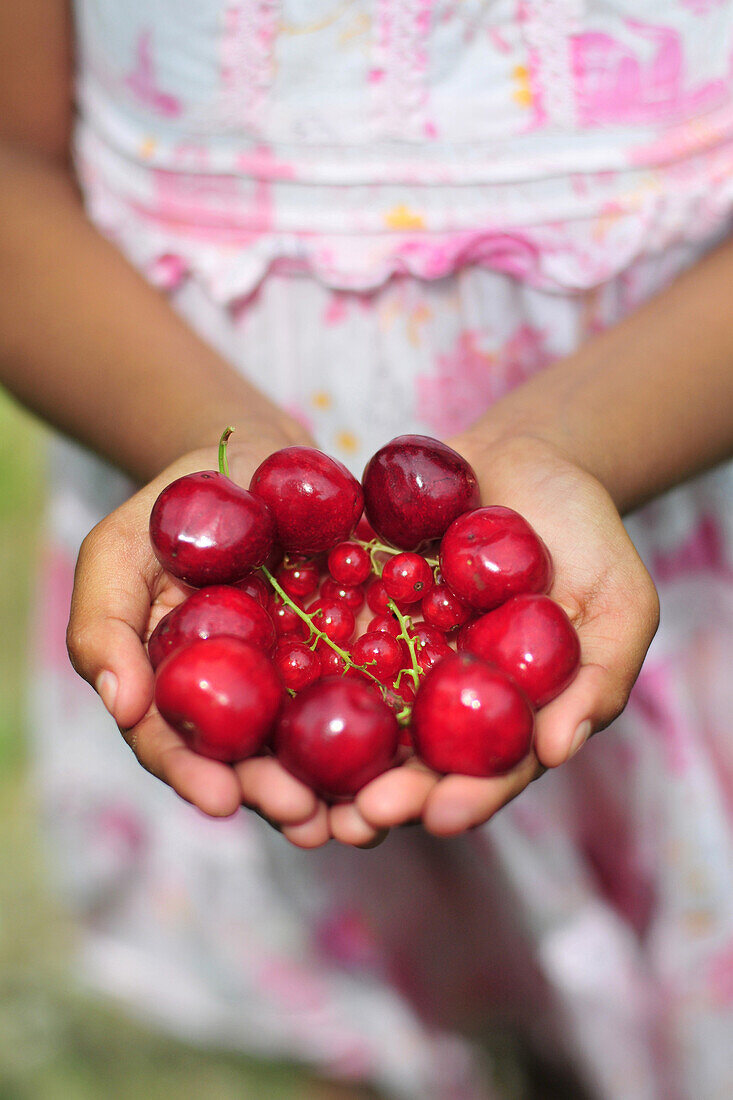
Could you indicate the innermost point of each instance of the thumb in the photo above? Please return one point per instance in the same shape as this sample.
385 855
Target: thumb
110 609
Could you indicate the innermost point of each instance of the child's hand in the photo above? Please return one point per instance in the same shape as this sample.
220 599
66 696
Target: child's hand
609 596
120 594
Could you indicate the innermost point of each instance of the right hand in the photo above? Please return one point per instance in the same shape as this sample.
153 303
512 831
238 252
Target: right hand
120 593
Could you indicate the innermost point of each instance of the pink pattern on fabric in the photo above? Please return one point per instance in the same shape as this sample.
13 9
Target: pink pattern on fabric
470 378
720 976
702 551
141 81
398 73
614 84
654 697
248 63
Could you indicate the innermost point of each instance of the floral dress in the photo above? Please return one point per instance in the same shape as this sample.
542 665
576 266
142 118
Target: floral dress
387 213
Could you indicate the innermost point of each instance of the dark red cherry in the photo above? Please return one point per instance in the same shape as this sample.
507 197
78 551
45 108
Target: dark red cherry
315 501
414 487
336 736
256 586
532 639
205 529
471 718
222 695
208 613
491 554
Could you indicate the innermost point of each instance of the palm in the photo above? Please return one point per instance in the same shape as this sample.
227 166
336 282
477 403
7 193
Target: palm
602 584
120 595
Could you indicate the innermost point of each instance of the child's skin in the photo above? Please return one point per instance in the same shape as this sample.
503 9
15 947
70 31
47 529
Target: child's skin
89 346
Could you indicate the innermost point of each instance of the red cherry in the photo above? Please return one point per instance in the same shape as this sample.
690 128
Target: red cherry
349 563
407 578
491 554
297 664
442 609
315 501
351 595
414 487
299 578
365 531
334 619
532 639
209 613
471 718
336 736
222 695
256 586
381 653
205 529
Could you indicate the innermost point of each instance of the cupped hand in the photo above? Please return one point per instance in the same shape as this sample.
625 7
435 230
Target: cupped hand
120 593
605 589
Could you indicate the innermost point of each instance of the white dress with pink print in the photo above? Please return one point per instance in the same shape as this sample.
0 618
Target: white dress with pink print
388 213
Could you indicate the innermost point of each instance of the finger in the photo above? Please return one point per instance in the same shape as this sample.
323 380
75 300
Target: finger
109 614
313 833
461 802
349 827
396 797
208 784
267 787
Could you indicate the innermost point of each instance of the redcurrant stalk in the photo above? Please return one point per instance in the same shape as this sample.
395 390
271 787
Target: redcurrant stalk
374 547
415 672
315 632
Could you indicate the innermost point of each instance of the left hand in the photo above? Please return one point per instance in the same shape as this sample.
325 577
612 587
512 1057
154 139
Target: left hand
603 586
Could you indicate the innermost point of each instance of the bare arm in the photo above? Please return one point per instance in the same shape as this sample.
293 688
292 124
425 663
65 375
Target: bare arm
85 342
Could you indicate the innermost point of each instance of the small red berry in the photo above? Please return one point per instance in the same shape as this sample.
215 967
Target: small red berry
407 578
349 563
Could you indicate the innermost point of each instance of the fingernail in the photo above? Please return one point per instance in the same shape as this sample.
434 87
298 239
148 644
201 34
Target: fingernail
106 686
582 734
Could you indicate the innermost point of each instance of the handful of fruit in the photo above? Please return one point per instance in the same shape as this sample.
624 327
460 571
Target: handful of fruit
461 644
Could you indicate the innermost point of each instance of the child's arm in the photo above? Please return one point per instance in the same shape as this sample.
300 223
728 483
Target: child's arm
85 342
638 409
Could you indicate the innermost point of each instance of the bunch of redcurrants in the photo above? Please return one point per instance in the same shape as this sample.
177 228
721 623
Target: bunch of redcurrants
344 626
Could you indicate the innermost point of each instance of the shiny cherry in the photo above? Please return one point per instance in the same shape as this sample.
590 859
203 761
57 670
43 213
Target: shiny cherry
336 736
205 529
532 639
208 613
222 695
315 501
491 554
470 718
414 487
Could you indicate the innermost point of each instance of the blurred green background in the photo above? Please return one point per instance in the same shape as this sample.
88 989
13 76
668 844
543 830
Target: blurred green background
57 1043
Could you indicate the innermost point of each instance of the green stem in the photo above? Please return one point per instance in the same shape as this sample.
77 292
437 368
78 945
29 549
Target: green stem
374 546
319 634
223 460
415 672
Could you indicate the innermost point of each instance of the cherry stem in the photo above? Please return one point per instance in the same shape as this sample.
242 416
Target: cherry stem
319 634
223 460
